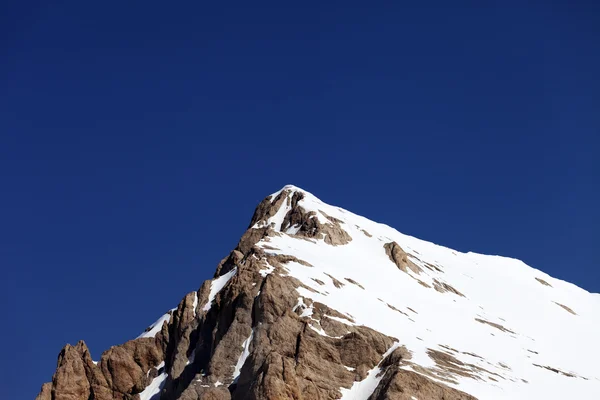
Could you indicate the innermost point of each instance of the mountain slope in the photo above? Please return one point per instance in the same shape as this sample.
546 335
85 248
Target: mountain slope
318 303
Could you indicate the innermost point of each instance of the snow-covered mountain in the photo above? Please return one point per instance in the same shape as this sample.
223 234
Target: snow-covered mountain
316 302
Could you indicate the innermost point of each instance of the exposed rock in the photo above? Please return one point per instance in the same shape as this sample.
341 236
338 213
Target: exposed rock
472 355
399 257
431 267
268 208
307 224
566 308
70 382
352 281
124 367
45 392
399 384
199 392
543 282
449 367
333 233
395 309
289 359
493 324
181 330
448 348
261 339
443 287
367 234
556 370
336 283
120 374
121 371
284 259
424 284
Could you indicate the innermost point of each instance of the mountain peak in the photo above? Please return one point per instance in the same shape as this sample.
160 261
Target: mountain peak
317 302
293 188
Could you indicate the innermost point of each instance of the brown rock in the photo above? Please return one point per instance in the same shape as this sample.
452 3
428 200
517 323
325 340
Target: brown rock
198 392
121 371
399 384
70 382
269 207
182 328
494 325
566 308
336 283
352 281
543 282
289 357
399 257
45 392
443 287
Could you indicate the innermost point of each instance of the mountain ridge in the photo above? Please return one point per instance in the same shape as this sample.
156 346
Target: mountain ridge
318 302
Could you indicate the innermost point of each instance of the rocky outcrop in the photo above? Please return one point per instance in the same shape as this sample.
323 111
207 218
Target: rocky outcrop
45 392
121 373
399 384
253 340
399 257
443 287
70 382
303 223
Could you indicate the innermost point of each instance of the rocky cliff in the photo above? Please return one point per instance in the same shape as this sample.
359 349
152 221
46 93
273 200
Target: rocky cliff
318 303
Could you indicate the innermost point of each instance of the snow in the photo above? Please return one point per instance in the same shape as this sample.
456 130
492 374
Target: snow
300 303
152 391
191 358
158 367
243 357
307 312
216 286
195 302
497 289
363 389
266 271
156 326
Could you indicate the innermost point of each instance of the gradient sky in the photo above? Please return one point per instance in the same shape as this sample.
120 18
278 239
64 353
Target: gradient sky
136 138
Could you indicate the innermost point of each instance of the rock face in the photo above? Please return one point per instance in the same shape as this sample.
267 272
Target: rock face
257 330
400 258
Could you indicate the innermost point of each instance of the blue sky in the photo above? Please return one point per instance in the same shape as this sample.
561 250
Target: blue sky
136 140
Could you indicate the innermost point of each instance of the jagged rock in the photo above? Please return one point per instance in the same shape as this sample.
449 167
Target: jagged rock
268 208
45 392
197 391
70 382
268 334
181 330
289 359
124 367
306 222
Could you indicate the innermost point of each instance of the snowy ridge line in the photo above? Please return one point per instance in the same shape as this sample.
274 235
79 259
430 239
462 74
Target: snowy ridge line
490 326
490 310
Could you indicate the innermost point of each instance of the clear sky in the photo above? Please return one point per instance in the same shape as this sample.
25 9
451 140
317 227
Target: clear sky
136 138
